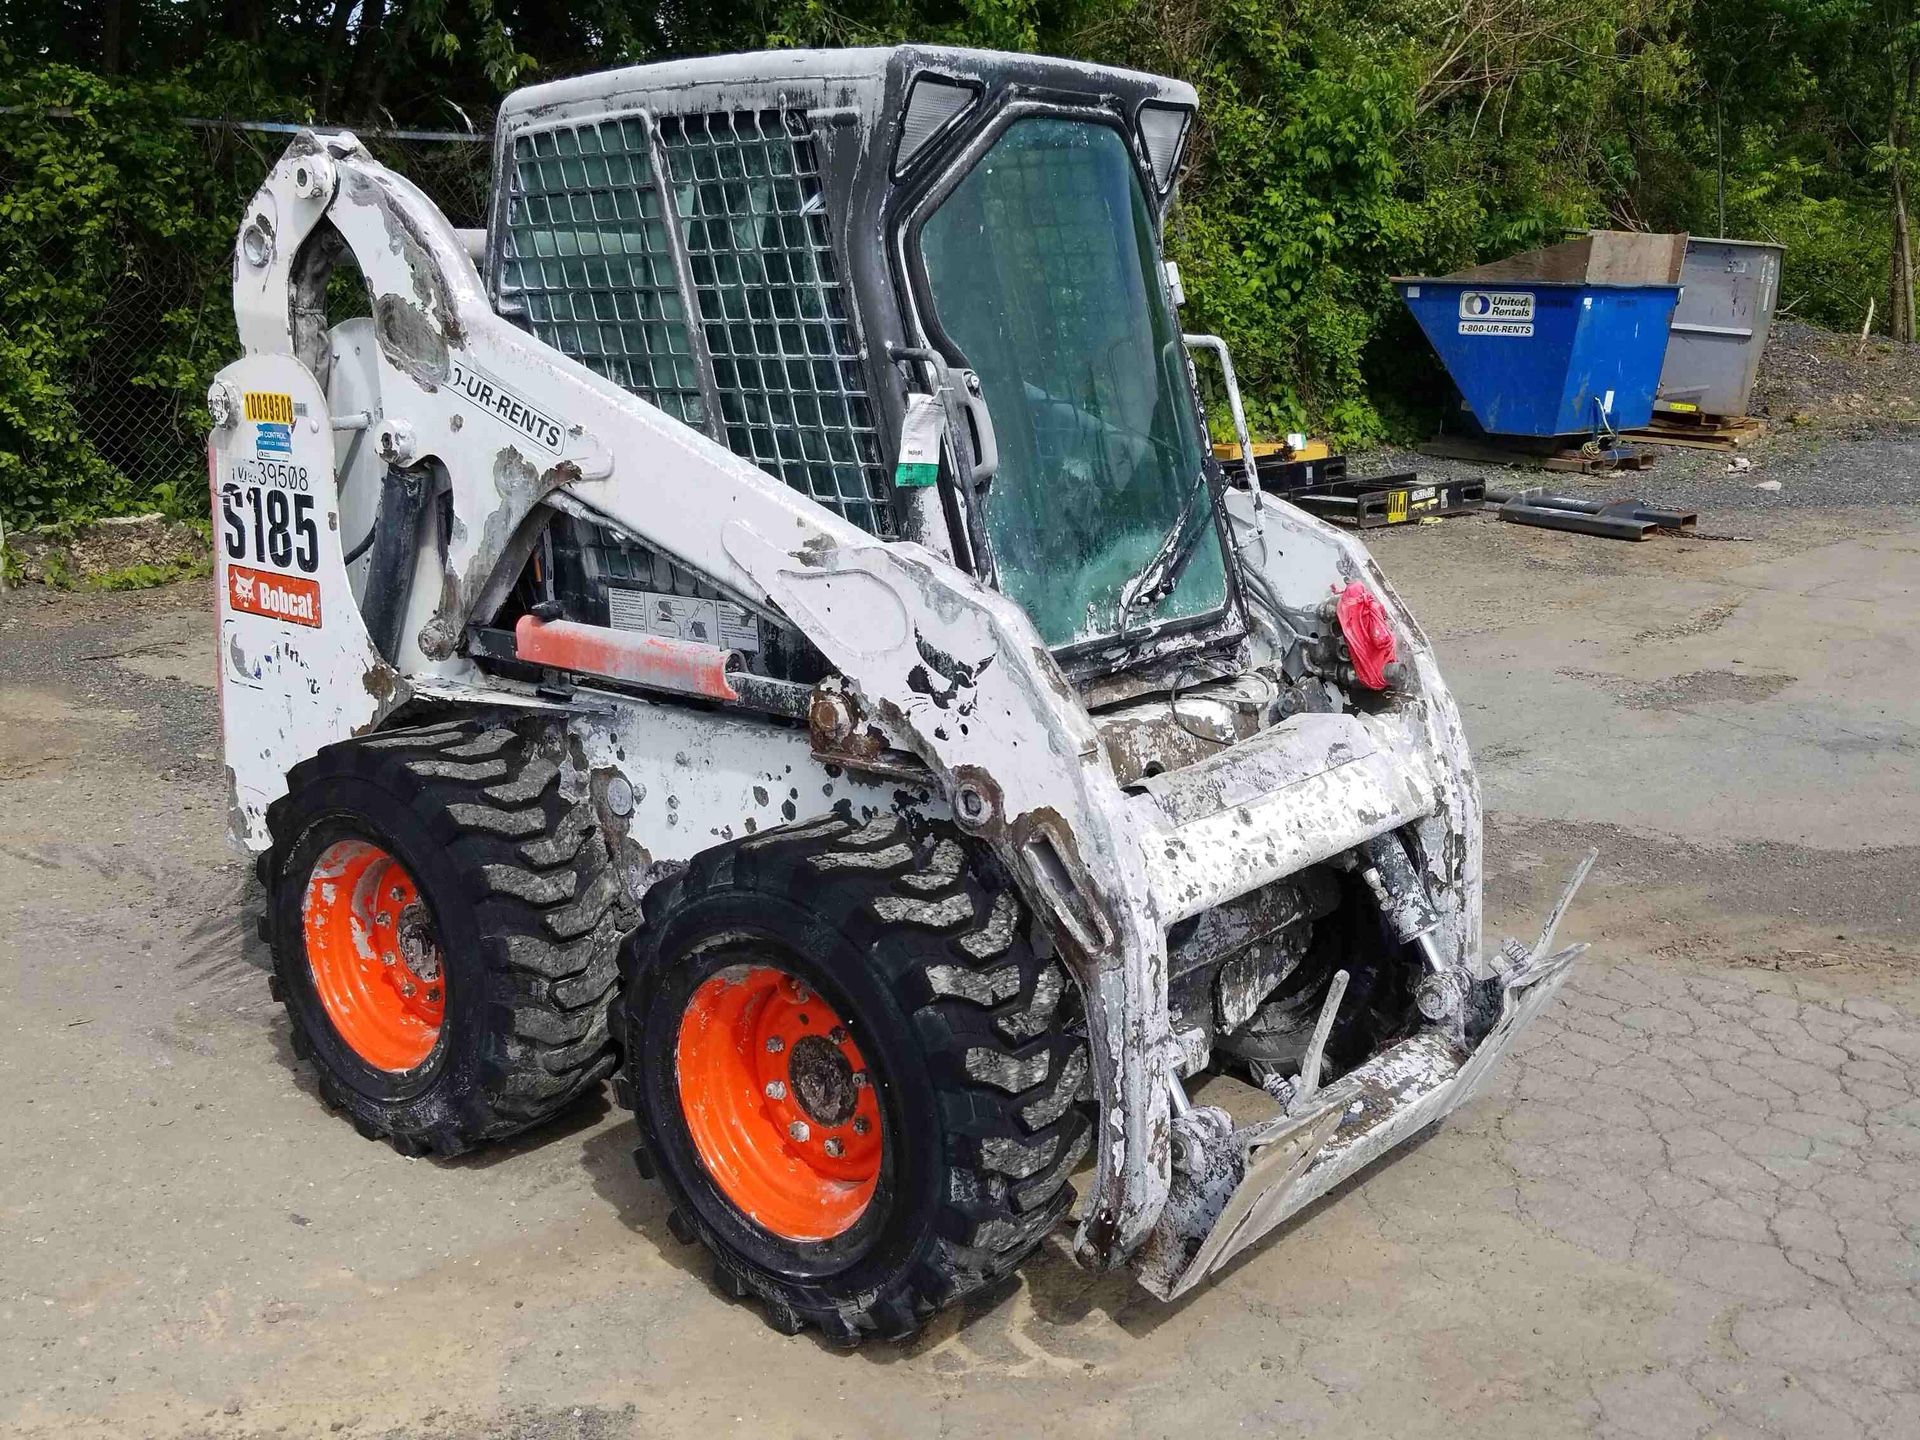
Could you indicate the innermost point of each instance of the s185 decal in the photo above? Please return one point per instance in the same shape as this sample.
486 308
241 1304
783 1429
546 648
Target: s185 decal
269 527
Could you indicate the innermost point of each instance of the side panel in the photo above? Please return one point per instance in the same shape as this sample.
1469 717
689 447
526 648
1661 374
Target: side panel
297 669
701 777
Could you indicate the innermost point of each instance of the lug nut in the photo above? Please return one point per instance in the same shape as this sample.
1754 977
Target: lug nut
861 1125
800 991
775 1045
406 988
776 1089
838 1035
799 1131
396 894
384 920
833 1147
860 1081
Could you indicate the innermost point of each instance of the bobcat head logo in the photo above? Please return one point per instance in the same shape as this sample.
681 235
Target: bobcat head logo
243 588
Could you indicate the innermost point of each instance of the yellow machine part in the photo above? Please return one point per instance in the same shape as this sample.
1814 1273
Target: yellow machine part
1312 450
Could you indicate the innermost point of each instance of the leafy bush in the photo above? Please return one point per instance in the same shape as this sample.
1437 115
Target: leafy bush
1837 244
114 228
1340 142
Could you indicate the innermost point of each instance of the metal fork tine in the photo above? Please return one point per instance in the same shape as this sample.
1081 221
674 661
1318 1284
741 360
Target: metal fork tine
1559 911
1322 1028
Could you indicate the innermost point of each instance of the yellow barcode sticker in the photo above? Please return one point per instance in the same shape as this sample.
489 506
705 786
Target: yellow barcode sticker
266 405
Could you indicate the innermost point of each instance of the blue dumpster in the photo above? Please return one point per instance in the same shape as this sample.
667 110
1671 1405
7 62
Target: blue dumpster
1542 357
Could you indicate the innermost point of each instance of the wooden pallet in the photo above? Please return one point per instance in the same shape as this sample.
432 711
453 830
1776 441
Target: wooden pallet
1704 432
1544 455
1578 462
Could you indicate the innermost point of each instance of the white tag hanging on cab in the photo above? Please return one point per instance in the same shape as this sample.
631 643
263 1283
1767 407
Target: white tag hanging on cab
921 432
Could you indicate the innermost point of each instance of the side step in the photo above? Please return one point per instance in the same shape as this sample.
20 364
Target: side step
1306 790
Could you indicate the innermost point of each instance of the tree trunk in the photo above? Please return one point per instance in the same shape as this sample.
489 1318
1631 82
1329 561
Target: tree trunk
1903 262
245 20
1900 316
1900 268
113 40
368 63
335 57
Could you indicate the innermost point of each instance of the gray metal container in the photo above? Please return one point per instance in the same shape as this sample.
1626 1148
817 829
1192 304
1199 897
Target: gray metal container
1720 327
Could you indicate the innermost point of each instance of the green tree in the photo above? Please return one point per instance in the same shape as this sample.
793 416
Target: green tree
1813 107
108 212
1339 142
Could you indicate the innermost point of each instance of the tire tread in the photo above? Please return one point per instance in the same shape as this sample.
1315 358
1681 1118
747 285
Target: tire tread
987 1013
537 869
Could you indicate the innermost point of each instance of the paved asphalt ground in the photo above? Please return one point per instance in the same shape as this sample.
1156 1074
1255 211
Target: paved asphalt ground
1690 1207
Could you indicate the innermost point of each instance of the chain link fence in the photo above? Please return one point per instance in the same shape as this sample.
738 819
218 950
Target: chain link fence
165 325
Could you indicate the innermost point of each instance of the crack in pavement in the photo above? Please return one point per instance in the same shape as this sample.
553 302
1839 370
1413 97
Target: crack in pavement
1762 1146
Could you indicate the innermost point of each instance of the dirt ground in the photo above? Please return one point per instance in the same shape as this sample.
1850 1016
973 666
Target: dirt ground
1690 1207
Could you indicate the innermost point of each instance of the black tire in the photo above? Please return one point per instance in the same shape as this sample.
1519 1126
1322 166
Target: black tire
982 1090
528 912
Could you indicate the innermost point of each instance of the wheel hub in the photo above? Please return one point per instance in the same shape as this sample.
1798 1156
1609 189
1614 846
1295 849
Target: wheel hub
419 950
374 955
822 1080
778 1101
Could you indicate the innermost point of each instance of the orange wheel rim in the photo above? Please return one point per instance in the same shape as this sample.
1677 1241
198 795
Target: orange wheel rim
374 954
779 1102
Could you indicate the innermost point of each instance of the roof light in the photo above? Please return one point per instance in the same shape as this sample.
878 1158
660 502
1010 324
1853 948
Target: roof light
932 104
1163 130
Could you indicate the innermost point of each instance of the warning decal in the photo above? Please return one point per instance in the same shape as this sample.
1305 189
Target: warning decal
683 617
277 597
1496 312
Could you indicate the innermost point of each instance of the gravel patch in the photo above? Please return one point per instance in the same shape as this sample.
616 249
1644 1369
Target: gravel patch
1681 692
1813 374
126 651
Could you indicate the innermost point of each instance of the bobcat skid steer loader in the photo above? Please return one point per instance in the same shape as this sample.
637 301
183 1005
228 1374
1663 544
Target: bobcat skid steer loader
763 622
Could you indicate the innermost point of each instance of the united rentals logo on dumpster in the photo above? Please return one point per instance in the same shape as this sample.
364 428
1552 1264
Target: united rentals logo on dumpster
1496 312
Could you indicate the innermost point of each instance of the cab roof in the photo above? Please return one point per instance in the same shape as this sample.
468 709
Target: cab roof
853 77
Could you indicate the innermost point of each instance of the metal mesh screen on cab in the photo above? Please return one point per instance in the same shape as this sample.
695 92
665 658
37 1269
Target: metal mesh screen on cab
588 263
792 398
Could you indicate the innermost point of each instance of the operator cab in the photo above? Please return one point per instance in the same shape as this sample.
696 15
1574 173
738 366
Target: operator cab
842 264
